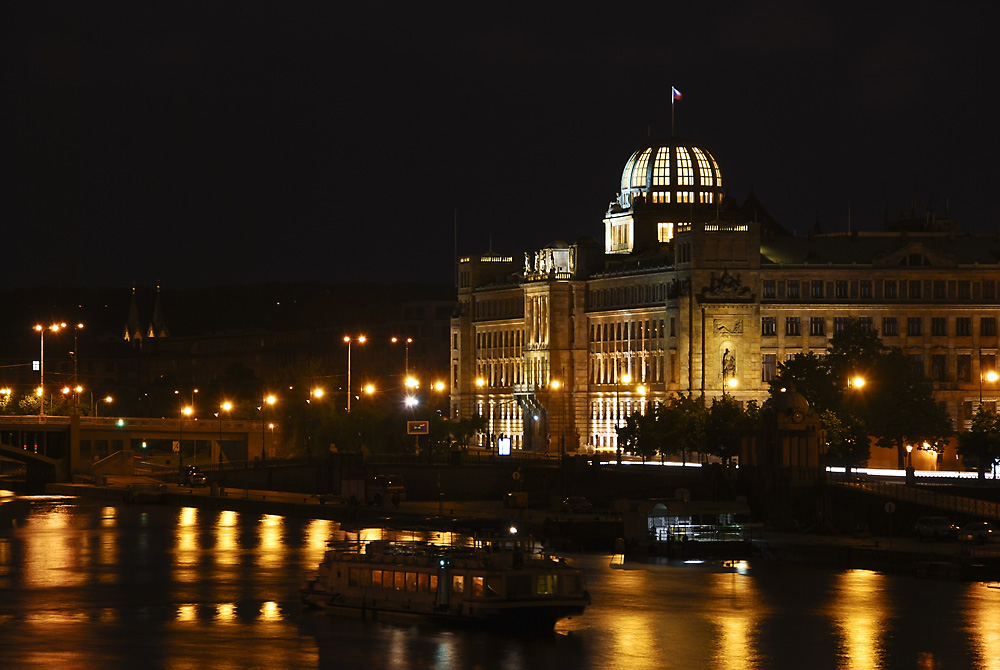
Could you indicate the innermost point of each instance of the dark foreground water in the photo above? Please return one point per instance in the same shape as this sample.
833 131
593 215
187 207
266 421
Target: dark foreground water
87 585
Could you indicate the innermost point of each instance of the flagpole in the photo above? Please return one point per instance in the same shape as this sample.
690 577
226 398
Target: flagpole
672 97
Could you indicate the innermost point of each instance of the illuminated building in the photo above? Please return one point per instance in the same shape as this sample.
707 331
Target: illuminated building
692 292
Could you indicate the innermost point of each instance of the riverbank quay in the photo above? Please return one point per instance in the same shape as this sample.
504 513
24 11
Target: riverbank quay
560 530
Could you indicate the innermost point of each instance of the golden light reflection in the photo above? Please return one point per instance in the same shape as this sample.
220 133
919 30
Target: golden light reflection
272 547
270 611
227 550
317 533
859 612
984 625
109 517
50 553
188 550
187 613
738 622
225 612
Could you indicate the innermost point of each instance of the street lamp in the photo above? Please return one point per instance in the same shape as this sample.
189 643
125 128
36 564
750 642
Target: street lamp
369 389
361 340
406 354
990 376
268 400
316 393
76 368
94 405
55 328
185 411
626 378
226 406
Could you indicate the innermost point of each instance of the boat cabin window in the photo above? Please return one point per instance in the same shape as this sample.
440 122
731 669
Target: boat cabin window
413 582
488 587
458 584
548 585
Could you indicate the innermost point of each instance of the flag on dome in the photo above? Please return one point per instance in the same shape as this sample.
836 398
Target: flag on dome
675 94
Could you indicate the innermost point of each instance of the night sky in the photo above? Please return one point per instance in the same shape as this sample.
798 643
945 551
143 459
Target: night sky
199 146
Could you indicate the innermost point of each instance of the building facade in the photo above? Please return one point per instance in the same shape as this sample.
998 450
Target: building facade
692 292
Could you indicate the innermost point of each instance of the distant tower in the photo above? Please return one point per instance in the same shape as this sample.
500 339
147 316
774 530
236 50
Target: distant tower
158 327
133 331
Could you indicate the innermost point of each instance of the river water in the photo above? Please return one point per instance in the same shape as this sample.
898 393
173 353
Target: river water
89 585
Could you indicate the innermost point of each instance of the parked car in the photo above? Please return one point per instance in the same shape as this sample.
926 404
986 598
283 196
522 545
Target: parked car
190 475
979 532
577 504
935 528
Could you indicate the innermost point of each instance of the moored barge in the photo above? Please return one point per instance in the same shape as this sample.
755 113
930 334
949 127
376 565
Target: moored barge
505 583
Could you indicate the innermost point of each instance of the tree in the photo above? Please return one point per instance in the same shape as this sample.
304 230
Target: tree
980 445
898 407
848 443
724 426
811 376
683 423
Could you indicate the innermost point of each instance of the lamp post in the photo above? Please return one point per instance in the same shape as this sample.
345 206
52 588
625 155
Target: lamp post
361 340
406 354
94 405
55 328
76 368
369 389
268 400
185 411
226 406
618 412
990 376
314 394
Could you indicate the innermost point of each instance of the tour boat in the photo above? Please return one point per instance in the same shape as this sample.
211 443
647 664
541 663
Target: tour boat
497 582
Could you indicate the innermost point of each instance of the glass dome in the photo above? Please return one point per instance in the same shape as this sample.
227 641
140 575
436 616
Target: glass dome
669 172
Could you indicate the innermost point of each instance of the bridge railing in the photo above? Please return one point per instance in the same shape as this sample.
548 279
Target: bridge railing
944 501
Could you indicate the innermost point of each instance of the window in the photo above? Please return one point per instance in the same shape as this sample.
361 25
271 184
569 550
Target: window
769 289
768 325
963 326
866 323
914 326
769 367
817 288
793 290
890 326
866 289
989 290
965 367
889 288
840 289
939 326
939 367
913 292
792 325
839 323
940 290
988 325
817 325
964 290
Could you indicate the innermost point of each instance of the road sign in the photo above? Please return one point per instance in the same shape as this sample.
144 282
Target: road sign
417 427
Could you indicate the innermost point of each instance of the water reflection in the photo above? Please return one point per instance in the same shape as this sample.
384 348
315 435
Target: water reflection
737 617
860 612
983 620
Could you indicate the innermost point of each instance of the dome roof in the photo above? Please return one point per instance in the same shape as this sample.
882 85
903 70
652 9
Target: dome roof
670 171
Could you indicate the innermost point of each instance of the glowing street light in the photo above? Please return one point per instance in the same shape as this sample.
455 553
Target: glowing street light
55 328
185 411
361 340
94 404
406 353
268 400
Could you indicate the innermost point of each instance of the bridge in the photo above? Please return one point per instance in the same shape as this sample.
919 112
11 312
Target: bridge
55 448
